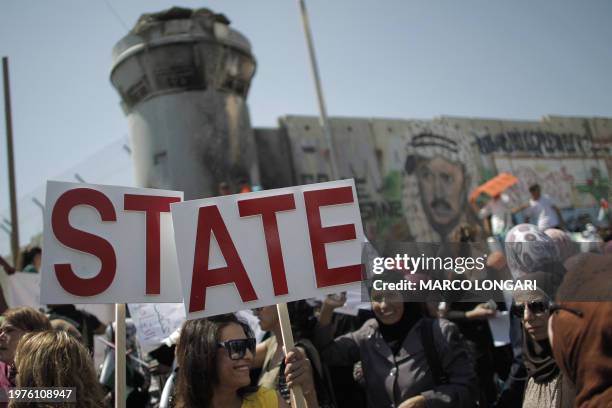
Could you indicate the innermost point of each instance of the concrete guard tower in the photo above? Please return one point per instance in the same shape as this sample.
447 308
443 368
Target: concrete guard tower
183 76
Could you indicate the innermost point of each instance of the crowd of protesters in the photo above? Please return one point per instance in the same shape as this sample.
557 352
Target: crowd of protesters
396 353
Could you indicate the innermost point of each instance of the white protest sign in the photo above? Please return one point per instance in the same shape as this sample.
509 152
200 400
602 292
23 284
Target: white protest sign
155 322
23 289
108 244
257 249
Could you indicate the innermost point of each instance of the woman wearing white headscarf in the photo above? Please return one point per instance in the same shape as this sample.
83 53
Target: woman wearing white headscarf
533 255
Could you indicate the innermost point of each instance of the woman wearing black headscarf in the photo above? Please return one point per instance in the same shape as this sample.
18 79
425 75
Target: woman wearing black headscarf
395 360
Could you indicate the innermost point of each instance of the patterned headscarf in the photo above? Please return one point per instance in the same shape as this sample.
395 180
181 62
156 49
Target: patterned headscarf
529 250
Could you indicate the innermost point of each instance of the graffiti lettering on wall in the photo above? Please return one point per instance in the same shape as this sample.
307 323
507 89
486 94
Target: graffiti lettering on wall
535 142
570 183
372 210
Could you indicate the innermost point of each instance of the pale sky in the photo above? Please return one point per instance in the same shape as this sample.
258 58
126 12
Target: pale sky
513 59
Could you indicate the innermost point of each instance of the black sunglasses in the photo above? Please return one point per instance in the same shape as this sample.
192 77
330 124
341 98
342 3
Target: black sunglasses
236 349
541 306
535 307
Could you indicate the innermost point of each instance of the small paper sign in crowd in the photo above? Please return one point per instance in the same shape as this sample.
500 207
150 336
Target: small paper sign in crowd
109 244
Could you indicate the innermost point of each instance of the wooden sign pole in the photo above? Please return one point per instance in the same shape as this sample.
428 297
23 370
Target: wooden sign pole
297 397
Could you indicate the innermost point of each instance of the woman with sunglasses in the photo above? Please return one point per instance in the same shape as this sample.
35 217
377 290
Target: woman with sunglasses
534 256
214 358
402 365
545 384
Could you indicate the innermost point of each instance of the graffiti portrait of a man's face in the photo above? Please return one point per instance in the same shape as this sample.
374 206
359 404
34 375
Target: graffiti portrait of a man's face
435 164
442 188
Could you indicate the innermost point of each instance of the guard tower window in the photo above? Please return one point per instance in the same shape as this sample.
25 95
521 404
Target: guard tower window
175 67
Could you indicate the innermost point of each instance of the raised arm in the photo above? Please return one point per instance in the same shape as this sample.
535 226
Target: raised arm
330 303
343 350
